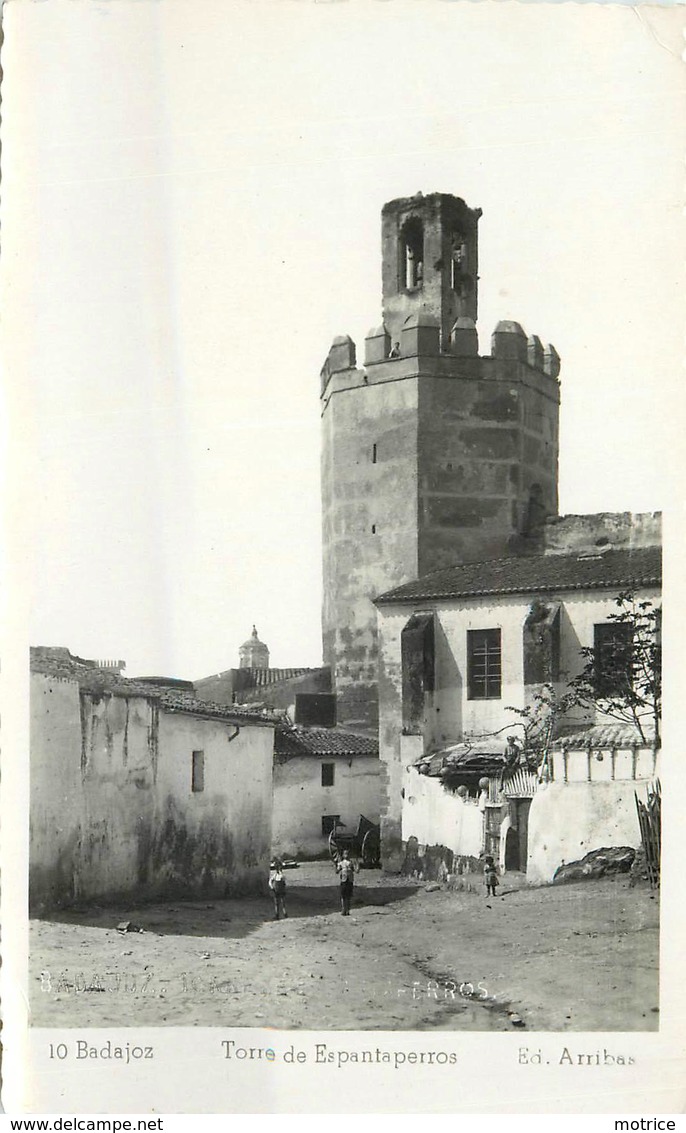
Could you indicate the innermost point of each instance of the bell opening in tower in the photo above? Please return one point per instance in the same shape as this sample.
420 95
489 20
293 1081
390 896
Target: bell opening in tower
412 254
458 261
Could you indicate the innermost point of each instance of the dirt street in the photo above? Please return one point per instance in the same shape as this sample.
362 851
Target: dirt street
569 958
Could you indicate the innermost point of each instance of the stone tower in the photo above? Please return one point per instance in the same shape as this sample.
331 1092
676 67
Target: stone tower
253 653
431 455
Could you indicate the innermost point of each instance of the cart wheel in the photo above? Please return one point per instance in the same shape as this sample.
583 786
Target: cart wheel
370 850
333 848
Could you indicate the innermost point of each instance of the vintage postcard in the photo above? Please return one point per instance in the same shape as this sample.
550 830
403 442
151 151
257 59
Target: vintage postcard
344 348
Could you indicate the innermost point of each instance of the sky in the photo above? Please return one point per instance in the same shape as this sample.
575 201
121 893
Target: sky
192 213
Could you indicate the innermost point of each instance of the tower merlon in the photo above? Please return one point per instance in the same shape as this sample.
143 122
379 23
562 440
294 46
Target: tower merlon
551 361
421 334
534 348
342 356
464 340
377 345
509 341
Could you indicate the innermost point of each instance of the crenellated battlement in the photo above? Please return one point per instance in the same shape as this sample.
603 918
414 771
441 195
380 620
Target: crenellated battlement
430 274
112 666
420 339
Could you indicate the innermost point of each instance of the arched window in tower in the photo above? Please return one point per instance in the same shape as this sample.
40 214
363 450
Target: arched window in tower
412 254
458 262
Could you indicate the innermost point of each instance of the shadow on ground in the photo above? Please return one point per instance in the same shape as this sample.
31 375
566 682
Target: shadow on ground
229 918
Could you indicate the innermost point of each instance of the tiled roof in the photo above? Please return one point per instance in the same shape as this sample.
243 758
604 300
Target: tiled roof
296 739
246 679
263 677
619 569
480 757
167 682
606 736
62 665
234 713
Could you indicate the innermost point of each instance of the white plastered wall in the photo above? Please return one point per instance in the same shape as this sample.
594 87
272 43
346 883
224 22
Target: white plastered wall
569 820
112 810
436 817
300 800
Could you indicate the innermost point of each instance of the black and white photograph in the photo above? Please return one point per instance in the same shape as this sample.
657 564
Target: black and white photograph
344 349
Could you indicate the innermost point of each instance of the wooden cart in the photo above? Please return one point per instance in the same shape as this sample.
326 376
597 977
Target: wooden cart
363 846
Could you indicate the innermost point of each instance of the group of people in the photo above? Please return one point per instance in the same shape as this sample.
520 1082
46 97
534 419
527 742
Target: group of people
345 868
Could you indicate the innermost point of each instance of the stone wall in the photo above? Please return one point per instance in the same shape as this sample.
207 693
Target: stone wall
485 445
436 862
428 462
566 534
369 517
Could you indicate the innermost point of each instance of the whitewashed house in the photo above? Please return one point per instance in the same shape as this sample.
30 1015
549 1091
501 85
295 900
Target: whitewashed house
139 789
459 650
324 779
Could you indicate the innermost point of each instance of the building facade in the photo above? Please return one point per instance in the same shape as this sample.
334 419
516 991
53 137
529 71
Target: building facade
324 779
141 791
456 810
463 649
431 454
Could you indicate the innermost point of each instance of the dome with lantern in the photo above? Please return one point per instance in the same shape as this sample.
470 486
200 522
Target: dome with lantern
253 653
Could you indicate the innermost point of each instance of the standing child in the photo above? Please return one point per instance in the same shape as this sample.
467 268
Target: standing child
346 870
490 877
277 884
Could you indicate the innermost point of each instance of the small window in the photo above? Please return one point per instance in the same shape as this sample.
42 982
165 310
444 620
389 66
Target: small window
329 823
373 529
198 771
483 664
327 774
612 658
373 454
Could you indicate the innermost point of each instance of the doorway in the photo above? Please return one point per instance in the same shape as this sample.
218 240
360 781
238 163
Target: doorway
517 837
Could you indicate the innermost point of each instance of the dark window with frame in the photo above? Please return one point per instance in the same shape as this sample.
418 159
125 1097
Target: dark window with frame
418 670
484 664
612 658
198 771
328 774
329 823
541 642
